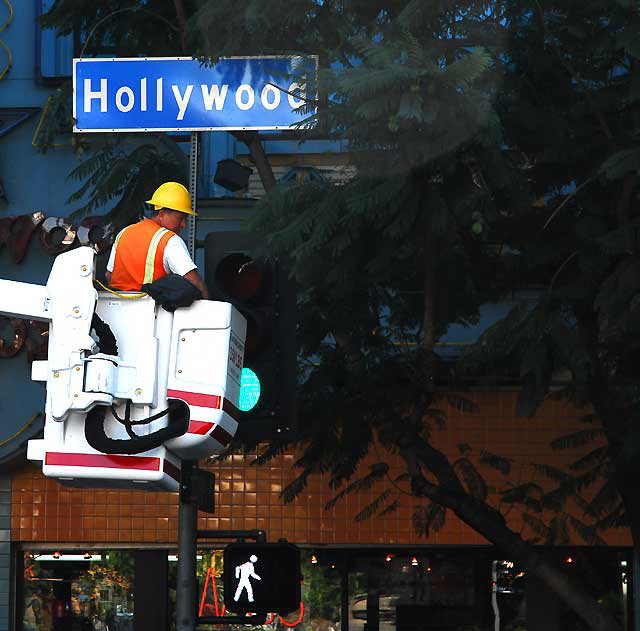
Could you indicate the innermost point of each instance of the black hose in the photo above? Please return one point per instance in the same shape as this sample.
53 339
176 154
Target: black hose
106 339
98 439
94 424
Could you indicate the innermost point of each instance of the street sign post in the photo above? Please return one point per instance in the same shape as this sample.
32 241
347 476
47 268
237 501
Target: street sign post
182 94
262 577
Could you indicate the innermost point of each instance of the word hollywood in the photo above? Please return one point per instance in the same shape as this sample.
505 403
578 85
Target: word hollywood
176 93
212 96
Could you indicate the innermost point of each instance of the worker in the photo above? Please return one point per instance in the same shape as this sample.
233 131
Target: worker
150 249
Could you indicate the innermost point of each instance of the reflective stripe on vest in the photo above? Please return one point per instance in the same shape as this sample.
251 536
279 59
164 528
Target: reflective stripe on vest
117 239
138 252
149 264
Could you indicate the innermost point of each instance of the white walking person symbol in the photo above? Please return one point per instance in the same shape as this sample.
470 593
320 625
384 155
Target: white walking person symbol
245 572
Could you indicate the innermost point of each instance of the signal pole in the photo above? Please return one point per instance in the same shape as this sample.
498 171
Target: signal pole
186 589
193 191
186 584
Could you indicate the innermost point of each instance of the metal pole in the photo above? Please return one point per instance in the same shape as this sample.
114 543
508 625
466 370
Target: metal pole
373 598
635 586
186 593
494 595
193 190
344 593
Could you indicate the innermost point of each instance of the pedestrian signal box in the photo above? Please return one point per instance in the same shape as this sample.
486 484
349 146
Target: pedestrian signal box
262 577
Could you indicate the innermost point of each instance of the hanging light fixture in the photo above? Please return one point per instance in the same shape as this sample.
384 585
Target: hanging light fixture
414 561
314 558
56 555
87 555
388 558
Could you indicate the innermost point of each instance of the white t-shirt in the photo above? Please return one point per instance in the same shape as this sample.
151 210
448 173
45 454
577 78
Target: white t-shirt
176 258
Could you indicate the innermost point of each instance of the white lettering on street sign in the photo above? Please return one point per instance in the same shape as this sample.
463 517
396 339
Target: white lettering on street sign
166 94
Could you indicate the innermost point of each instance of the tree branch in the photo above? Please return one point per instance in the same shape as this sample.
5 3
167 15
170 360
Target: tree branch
489 523
182 22
170 145
430 258
574 75
622 209
258 157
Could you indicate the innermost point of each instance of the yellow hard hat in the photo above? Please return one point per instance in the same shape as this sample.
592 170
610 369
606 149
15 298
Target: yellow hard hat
174 196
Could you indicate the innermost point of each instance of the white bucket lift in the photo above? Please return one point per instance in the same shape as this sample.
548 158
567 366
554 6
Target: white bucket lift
149 389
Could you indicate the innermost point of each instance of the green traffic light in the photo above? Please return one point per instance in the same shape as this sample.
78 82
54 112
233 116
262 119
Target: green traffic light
249 390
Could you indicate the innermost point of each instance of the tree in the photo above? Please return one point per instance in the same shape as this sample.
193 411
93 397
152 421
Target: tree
418 218
580 142
434 100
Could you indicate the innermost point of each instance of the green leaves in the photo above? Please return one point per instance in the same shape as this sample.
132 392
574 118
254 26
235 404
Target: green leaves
528 494
410 107
373 507
377 471
577 439
467 69
499 463
473 481
124 173
427 519
620 163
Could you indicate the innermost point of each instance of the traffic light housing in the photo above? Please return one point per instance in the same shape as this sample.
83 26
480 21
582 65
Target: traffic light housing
260 288
262 577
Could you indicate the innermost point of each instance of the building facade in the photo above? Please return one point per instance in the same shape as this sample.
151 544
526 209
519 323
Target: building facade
445 575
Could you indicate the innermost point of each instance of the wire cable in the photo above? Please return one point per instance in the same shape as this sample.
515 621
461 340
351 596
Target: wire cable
39 125
123 296
37 415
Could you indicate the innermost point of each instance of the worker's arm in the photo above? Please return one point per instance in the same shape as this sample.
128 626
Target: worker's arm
176 259
194 278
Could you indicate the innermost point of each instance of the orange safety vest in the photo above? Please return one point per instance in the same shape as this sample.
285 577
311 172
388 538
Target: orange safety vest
139 249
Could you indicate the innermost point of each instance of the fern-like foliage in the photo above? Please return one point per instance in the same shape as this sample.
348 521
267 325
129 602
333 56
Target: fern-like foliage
124 177
577 439
528 495
428 518
474 482
540 529
392 507
374 507
364 483
495 461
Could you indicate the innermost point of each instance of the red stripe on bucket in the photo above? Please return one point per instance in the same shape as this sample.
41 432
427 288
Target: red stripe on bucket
219 433
142 463
196 398
199 427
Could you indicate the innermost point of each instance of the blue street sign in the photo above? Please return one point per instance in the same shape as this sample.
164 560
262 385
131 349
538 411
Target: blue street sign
181 94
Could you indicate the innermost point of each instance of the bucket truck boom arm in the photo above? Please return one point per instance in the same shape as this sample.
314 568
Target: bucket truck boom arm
141 363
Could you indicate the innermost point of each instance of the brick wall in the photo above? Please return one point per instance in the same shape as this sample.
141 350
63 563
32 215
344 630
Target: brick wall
249 497
5 556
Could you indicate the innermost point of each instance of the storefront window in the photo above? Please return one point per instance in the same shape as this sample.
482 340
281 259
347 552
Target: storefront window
78 591
422 591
